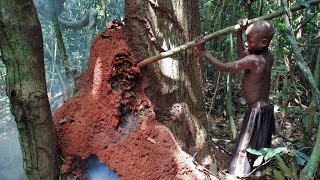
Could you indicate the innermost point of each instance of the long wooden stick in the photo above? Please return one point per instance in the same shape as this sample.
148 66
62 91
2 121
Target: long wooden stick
219 33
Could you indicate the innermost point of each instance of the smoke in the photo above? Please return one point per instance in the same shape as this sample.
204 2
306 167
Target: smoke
97 171
10 152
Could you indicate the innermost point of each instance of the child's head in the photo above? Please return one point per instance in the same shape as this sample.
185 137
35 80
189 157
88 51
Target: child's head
259 35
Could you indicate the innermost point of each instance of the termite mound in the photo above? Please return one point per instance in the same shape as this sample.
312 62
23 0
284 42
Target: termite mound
111 117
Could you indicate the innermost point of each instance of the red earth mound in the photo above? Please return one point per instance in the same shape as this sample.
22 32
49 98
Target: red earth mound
112 118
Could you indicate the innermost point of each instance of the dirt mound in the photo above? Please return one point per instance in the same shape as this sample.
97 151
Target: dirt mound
111 117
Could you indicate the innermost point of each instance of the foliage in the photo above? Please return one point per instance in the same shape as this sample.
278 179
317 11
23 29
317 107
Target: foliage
115 9
75 43
287 161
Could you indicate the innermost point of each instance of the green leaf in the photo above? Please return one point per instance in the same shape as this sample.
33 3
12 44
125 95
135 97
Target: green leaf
303 155
279 158
278 175
258 161
281 26
301 158
255 152
305 121
265 151
208 4
294 170
268 170
306 3
285 169
276 151
276 108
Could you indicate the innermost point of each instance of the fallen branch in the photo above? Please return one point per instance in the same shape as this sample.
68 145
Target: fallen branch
219 33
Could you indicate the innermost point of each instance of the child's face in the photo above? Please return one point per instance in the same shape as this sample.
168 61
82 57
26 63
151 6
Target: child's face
254 40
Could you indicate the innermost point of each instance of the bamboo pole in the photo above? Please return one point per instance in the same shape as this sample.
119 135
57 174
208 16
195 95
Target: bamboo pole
219 33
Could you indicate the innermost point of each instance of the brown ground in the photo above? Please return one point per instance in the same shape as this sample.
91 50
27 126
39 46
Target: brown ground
111 117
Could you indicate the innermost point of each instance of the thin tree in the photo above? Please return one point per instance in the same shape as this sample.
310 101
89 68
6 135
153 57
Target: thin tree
22 52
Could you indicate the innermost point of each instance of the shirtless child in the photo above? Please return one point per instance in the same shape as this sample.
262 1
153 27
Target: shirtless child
256 64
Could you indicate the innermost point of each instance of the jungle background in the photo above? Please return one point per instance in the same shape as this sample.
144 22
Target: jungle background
295 103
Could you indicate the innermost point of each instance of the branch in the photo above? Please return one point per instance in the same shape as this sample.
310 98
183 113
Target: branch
77 24
219 33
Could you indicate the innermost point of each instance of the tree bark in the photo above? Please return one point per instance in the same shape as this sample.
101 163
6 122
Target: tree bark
21 46
175 89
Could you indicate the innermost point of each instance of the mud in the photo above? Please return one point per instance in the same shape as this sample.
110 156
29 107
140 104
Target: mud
112 118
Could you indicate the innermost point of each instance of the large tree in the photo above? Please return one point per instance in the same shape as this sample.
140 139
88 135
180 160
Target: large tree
175 90
22 52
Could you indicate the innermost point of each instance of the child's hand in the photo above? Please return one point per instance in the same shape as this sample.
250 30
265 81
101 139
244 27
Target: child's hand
244 23
199 40
135 70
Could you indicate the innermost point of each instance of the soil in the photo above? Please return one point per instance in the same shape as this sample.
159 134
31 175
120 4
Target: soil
111 117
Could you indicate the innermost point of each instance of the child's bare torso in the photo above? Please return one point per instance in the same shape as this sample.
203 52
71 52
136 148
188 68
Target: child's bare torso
256 83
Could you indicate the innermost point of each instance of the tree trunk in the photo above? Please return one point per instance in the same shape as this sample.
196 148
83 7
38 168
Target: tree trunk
21 47
52 11
230 106
176 86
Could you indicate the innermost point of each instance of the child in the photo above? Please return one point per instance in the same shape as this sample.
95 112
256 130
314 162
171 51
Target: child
256 64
